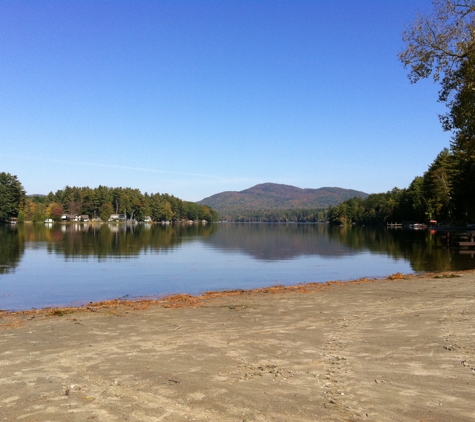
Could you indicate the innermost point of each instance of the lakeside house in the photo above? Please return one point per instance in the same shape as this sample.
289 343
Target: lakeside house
69 217
74 217
117 217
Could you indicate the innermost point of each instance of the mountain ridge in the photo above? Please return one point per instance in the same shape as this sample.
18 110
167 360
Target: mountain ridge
279 196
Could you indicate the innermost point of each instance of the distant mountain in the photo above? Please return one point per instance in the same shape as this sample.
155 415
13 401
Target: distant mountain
270 196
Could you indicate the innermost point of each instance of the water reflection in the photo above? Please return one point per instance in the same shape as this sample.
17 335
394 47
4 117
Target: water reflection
271 242
12 248
426 251
100 241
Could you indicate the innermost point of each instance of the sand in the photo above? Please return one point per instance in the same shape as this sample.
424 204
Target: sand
386 350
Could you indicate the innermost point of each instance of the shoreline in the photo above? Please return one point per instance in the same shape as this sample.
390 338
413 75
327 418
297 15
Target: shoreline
187 299
395 349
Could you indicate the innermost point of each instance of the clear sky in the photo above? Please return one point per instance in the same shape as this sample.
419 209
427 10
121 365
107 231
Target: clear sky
197 97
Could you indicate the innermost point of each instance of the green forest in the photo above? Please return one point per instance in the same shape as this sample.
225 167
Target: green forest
442 195
283 215
100 202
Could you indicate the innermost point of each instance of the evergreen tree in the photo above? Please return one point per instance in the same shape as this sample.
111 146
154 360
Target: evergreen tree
12 196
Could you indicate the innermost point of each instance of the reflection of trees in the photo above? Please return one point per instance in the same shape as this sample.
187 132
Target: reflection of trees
425 251
102 241
130 240
12 247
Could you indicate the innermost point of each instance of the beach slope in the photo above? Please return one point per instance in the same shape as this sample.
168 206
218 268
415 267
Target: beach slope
386 350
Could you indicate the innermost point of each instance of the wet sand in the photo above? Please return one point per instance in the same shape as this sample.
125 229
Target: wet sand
387 350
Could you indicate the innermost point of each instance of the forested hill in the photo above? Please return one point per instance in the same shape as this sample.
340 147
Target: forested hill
273 196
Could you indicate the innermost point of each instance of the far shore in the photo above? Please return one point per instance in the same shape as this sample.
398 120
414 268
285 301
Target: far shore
394 349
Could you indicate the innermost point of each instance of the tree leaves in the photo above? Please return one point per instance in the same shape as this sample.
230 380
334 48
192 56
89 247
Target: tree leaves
437 44
12 196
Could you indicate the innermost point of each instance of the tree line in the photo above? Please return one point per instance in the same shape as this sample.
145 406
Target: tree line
304 215
100 202
431 197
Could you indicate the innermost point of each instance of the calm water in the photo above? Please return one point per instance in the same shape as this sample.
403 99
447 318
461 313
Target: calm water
74 264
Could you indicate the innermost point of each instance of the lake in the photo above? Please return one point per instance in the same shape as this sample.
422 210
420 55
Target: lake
72 264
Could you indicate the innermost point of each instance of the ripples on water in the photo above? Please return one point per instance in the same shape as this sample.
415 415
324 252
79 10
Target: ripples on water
76 263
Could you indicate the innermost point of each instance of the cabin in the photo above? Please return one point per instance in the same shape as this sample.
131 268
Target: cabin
117 217
69 217
85 218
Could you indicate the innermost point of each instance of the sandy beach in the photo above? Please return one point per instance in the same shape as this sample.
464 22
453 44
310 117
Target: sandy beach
400 349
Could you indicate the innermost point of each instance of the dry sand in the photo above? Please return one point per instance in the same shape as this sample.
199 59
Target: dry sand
387 350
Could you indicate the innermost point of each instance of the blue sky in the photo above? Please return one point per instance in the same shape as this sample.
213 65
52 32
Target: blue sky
193 98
